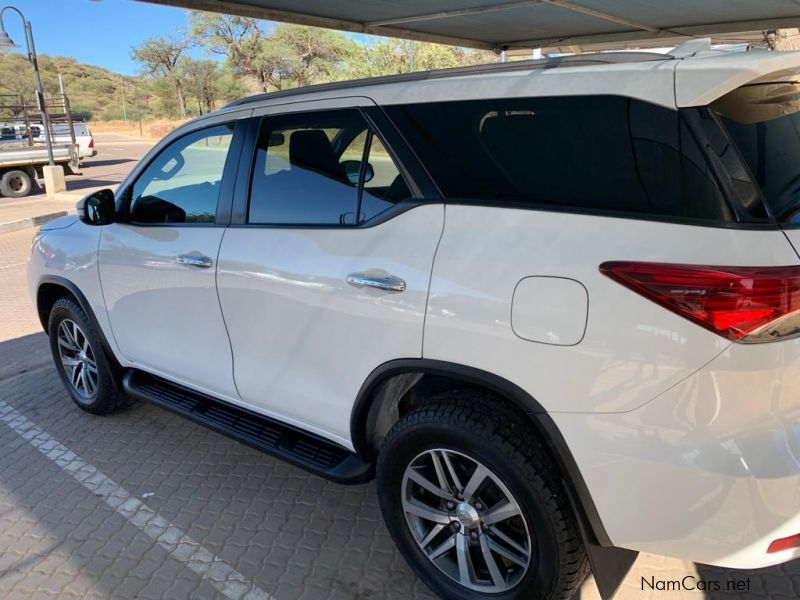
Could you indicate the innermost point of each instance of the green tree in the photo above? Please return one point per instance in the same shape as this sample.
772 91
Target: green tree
239 39
209 83
160 57
304 55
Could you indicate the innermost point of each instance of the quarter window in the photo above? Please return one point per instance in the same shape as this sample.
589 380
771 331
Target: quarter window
593 153
181 185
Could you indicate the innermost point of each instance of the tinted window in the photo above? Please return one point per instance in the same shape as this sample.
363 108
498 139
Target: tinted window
302 174
764 121
584 153
385 186
181 185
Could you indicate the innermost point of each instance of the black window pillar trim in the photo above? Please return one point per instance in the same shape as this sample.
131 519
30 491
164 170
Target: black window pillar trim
241 191
577 490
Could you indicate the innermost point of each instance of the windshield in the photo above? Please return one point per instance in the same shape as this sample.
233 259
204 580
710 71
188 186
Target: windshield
764 121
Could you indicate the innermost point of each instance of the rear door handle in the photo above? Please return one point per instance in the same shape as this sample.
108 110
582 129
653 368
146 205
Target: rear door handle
195 260
386 282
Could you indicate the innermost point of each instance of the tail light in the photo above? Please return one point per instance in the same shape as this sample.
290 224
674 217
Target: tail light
91 143
743 304
787 543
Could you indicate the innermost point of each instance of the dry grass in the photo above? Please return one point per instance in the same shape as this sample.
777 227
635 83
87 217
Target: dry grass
151 130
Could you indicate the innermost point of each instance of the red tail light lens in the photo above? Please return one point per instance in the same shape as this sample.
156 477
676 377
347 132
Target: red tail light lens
743 304
782 544
91 143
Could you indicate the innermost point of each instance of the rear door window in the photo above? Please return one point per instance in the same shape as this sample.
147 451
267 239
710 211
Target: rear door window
321 168
592 153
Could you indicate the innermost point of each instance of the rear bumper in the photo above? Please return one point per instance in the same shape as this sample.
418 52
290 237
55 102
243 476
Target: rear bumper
708 471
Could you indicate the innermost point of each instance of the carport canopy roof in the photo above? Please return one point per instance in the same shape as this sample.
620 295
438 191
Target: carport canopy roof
502 24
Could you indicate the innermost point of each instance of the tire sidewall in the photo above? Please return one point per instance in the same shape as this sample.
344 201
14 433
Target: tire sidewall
400 450
6 189
105 385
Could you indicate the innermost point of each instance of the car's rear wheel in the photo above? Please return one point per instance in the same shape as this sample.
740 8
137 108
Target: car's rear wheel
15 184
80 360
473 502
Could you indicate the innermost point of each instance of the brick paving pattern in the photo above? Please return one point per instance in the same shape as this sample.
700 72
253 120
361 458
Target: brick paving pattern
14 210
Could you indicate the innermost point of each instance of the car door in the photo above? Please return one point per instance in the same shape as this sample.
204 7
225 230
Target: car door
325 275
157 266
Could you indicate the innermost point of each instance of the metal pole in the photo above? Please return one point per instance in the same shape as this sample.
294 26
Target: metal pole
124 107
65 106
39 91
63 91
138 109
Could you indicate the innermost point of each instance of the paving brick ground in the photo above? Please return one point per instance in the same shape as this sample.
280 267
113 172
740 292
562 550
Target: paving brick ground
287 533
15 209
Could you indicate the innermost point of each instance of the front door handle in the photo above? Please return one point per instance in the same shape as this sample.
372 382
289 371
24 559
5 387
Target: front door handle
386 282
195 260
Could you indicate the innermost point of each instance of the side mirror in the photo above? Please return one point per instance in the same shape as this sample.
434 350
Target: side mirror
98 208
353 169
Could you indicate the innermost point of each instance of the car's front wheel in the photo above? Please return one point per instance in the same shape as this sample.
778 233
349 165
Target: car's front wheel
473 502
81 361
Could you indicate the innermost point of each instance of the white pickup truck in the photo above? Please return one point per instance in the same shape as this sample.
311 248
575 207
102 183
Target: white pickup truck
21 164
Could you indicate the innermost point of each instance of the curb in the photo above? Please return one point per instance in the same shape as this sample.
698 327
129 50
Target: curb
31 221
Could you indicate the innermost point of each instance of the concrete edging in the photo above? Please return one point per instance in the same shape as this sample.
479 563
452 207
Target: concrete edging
32 221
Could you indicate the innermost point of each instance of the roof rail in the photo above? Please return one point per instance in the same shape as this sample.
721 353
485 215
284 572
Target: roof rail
576 60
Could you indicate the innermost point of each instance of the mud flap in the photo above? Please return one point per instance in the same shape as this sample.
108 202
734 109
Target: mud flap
609 565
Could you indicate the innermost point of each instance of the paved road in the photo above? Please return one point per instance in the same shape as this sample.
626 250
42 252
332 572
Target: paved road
116 156
145 504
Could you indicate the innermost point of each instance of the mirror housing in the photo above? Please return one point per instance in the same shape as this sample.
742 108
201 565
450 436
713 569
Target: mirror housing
98 208
353 170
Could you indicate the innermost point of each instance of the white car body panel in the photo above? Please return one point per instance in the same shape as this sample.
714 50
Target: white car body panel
67 248
284 296
165 316
632 350
710 469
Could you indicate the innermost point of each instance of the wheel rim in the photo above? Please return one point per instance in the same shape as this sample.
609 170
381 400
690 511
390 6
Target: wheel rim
16 183
466 521
77 358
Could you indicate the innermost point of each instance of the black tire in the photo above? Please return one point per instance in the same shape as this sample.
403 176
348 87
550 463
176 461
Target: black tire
480 428
107 397
15 184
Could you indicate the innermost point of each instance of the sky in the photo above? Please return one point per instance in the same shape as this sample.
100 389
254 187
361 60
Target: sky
97 32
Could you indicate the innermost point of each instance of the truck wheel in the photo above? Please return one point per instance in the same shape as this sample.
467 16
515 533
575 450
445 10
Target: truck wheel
471 499
15 184
80 360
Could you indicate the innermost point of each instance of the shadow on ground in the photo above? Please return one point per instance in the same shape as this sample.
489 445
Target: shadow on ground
107 162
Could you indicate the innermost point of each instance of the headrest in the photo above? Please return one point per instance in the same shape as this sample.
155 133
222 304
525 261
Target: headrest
310 149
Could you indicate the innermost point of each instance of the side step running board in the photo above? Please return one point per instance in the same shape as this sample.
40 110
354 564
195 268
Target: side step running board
306 450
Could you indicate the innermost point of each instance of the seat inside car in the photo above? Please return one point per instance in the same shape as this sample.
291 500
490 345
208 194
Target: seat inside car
310 149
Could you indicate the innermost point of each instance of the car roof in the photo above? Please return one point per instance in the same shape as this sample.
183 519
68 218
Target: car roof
691 75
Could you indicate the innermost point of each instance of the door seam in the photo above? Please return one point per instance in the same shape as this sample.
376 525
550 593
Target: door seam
430 280
222 312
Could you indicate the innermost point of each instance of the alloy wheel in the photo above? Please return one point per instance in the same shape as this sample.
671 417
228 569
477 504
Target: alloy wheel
77 358
466 521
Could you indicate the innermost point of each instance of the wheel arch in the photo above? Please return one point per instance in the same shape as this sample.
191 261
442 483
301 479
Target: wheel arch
387 386
50 289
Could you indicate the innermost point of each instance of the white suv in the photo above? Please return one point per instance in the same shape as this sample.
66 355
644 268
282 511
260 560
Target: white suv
555 304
